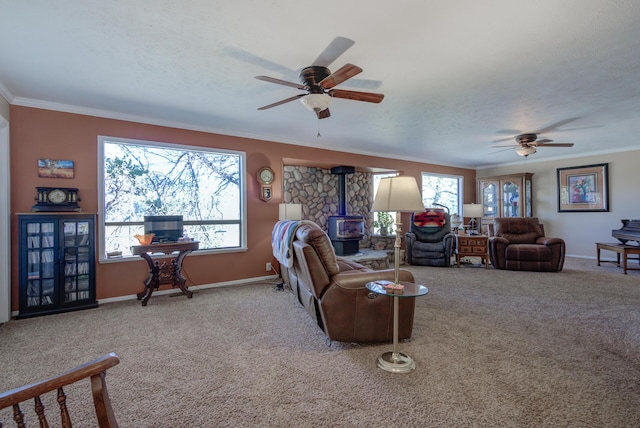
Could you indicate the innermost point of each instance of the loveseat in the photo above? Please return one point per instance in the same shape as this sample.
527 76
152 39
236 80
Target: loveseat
519 243
332 289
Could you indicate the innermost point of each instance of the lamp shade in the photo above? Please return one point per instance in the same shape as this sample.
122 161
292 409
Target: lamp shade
472 210
399 194
316 102
526 151
290 211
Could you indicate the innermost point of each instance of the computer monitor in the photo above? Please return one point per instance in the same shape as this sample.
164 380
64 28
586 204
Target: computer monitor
167 228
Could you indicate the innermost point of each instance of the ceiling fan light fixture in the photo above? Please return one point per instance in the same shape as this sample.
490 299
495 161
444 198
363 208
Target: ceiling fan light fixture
526 151
316 102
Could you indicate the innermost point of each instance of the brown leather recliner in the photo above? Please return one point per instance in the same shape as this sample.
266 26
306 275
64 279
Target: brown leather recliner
518 243
333 291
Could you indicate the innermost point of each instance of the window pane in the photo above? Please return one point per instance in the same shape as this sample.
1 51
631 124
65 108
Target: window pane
145 178
442 189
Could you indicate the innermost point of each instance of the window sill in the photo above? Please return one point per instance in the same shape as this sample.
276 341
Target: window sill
130 258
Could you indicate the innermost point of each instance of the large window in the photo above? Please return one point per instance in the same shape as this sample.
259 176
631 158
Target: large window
444 190
205 186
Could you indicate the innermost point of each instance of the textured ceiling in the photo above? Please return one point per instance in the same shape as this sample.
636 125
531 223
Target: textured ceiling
456 75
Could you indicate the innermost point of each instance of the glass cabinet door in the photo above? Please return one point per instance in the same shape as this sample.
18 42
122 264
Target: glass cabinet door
41 265
490 199
76 260
511 199
527 206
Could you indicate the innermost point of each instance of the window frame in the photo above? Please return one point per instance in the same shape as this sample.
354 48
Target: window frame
460 192
100 226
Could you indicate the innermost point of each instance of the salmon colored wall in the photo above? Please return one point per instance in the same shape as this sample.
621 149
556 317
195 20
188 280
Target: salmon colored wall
45 134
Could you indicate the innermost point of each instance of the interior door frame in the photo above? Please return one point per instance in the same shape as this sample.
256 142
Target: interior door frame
5 224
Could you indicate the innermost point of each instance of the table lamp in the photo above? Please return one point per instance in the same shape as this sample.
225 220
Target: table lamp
474 211
398 194
290 212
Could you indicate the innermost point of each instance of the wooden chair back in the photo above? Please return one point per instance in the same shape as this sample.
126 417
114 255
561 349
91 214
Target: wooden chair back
95 370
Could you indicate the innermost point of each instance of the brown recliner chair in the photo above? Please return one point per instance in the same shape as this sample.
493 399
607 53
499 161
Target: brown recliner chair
333 291
518 243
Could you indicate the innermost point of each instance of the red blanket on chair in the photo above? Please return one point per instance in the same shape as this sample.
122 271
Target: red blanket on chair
432 217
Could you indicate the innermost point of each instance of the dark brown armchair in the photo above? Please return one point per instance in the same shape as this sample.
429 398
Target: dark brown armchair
518 243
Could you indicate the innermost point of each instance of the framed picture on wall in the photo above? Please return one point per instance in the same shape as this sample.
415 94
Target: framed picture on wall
50 168
583 188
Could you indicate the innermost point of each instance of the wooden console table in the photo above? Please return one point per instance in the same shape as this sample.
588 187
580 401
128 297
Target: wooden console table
164 273
618 248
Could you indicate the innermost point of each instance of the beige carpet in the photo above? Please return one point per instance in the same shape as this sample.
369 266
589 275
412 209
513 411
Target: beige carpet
493 348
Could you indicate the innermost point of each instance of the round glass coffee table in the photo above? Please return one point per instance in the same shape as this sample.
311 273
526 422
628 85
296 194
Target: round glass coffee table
394 361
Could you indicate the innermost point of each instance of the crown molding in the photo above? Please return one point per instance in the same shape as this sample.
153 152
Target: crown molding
107 114
6 93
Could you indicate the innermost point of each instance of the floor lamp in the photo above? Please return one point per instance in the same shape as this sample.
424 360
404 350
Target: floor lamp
398 194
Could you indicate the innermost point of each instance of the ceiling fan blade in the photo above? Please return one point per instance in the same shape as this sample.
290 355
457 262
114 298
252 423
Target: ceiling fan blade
542 141
509 131
282 102
323 114
368 97
337 47
339 76
511 143
577 128
250 58
553 126
503 150
554 145
503 139
282 82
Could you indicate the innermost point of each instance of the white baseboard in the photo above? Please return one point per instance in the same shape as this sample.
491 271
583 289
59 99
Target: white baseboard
191 287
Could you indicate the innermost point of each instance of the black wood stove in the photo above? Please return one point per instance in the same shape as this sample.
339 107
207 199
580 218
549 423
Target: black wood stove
345 231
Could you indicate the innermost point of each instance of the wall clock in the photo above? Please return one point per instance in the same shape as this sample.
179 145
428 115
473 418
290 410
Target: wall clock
266 176
57 199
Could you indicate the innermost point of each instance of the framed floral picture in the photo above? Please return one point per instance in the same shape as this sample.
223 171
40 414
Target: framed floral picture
583 188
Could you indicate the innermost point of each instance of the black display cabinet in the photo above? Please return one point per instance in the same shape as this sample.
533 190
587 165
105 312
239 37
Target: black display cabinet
57 263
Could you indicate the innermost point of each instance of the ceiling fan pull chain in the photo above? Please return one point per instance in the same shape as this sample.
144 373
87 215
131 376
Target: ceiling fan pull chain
318 136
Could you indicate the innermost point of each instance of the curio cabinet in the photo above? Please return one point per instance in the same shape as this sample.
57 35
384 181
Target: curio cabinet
504 196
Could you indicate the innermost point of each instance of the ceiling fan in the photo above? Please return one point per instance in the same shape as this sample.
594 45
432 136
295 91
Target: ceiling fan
526 143
318 82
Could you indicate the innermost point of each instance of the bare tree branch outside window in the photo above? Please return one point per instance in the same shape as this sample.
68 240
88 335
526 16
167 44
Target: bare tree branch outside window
203 186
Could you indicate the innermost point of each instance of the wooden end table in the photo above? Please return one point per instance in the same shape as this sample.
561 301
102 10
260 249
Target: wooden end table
472 246
165 273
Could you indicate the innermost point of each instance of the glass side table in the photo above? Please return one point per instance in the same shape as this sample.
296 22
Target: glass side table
394 361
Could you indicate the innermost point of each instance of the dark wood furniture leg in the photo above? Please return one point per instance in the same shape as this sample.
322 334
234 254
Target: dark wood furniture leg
152 281
178 279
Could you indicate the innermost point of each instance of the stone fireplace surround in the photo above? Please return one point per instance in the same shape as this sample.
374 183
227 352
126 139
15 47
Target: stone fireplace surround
317 190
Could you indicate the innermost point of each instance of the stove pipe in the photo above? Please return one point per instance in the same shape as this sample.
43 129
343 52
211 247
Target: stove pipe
341 172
